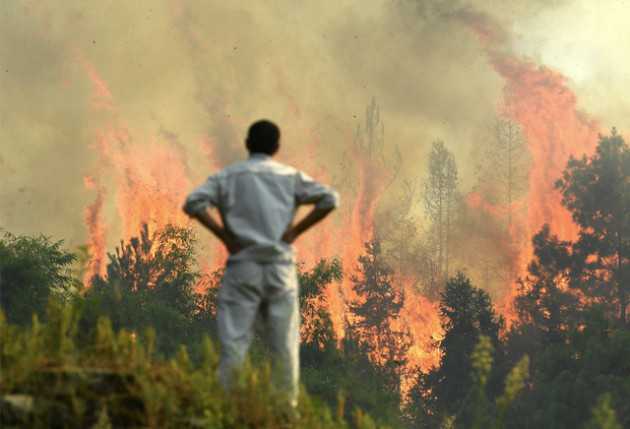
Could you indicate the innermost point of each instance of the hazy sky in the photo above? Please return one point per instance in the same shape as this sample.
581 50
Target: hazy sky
201 71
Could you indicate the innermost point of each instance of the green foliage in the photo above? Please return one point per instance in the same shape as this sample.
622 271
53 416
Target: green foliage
482 364
486 415
579 353
467 313
347 380
204 320
115 381
514 382
604 416
569 377
545 305
377 306
343 378
317 327
379 300
31 270
595 268
127 332
150 283
597 192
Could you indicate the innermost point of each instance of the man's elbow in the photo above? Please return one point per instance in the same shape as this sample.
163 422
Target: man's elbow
193 209
329 203
187 209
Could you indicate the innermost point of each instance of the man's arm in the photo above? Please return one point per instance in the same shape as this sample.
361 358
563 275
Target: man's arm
198 206
309 191
208 221
315 216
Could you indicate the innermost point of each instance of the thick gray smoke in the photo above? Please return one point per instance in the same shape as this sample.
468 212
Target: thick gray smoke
195 72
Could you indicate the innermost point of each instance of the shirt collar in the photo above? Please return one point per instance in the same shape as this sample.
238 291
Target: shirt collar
259 155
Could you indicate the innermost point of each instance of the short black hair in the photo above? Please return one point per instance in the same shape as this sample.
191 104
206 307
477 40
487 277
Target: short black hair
263 136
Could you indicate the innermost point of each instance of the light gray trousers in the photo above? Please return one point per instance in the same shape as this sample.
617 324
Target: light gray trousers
271 289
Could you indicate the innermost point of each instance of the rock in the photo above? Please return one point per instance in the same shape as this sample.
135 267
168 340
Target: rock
16 409
75 397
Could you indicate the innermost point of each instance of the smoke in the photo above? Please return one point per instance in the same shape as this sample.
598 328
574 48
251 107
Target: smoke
196 74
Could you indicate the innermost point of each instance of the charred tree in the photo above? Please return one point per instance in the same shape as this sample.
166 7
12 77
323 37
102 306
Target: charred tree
504 178
398 227
372 136
439 196
508 158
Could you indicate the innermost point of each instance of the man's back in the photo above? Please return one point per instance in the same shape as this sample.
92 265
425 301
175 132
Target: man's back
257 199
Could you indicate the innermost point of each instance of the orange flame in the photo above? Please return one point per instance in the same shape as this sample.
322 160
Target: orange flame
553 126
149 180
97 240
422 318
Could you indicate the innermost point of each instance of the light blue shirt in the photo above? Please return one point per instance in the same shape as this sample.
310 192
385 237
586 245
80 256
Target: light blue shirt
257 200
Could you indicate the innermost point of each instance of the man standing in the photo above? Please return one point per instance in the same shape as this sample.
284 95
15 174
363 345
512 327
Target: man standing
257 199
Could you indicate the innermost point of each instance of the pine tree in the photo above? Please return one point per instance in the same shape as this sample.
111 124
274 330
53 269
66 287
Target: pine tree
150 283
467 313
377 306
597 192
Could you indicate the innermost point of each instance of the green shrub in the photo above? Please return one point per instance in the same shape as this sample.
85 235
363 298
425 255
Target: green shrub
118 379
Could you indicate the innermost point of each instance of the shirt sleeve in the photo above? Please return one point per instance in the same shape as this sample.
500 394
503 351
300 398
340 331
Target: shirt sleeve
203 196
310 191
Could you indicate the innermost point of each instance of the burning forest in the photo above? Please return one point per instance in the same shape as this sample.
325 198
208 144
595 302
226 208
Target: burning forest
503 199
147 177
